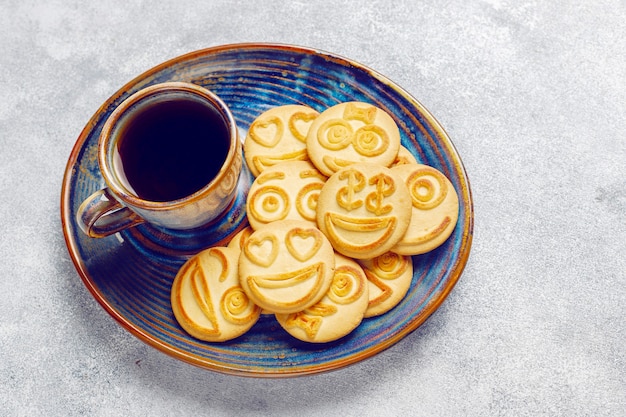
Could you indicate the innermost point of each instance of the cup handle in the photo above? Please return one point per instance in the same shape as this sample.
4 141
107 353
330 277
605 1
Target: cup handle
101 215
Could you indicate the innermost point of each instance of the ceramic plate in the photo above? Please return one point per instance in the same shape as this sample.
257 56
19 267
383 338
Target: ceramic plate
130 274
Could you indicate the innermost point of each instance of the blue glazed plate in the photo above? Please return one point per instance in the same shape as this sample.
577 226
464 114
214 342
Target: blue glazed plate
130 274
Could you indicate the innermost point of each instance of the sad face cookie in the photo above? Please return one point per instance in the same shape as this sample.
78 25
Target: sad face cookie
364 210
352 132
208 301
278 135
435 209
287 191
286 266
338 313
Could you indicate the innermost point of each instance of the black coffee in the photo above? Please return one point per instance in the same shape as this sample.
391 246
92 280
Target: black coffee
171 149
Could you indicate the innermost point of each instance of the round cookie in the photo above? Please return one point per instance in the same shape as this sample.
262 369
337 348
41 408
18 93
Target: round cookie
286 191
338 313
208 301
352 132
435 209
389 277
286 266
364 210
278 135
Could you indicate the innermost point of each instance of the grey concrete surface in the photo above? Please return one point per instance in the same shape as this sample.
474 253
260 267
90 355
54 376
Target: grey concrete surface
531 92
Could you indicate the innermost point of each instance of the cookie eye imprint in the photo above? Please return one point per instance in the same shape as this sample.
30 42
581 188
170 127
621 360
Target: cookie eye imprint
286 191
268 203
306 200
435 209
352 132
370 140
335 134
278 135
207 299
236 307
364 210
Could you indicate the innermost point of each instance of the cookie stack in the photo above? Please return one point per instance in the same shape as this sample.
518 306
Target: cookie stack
336 211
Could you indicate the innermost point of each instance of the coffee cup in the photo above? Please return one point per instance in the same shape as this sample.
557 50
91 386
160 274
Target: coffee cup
169 155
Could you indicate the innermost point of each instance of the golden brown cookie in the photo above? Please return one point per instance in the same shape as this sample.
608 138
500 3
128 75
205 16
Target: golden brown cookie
208 301
278 135
286 266
352 132
364 210
435 209
389 277
338 313
286 191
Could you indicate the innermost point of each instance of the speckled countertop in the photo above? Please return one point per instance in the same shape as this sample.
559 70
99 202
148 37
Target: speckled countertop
533 96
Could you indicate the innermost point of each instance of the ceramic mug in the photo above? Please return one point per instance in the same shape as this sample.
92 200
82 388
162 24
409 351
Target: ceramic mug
170 155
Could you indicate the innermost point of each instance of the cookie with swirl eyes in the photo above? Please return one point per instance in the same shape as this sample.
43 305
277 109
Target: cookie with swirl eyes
278 135
208 301
338 313
286 191
435 209
352 132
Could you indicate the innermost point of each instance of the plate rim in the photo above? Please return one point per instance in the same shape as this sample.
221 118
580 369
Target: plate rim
71 244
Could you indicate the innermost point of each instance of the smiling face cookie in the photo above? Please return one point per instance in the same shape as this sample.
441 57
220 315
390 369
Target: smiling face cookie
278 135
286 266
338 313
352 132
389 277
287 191
364 210
435 209
208 301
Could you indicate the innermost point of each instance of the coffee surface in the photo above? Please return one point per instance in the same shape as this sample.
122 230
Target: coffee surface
171 149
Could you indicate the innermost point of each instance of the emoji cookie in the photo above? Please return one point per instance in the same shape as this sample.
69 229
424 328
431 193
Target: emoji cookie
435 209
278 135
338 313
364 210
389 277
288 190
352 132
286 266
208 301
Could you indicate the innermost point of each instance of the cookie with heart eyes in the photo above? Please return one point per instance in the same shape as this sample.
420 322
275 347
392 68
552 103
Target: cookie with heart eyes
435 209
286 266
208 301
288 190
278 135
338 313
352 132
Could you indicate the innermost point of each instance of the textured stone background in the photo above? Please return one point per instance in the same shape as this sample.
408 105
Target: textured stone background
531 92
